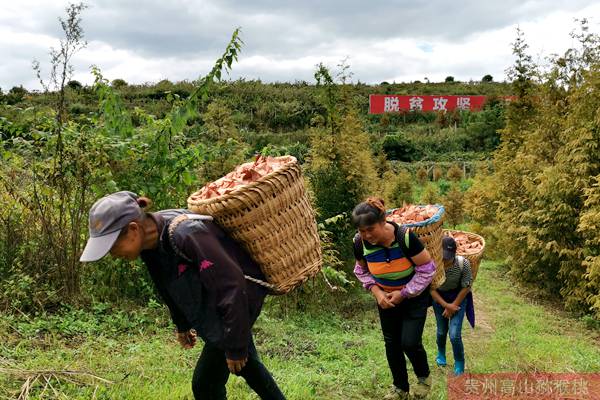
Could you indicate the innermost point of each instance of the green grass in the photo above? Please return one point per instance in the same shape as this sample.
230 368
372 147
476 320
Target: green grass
314 354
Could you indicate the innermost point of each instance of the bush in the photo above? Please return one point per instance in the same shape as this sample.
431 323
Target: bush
398 147
454 205
422 175
398 188
455 173
430 195
79 108
444 186
437 173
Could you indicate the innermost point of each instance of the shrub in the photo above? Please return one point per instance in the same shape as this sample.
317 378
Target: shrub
454 205
455 173
422 175
398 188
399 147
437 173
430 195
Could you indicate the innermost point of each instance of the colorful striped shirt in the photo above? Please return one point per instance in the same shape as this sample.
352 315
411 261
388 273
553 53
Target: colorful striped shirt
390 267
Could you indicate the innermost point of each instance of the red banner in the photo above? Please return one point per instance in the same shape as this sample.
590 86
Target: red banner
383 103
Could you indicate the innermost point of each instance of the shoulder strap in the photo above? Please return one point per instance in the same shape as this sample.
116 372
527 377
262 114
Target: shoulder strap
357 243
403 239
183 217
461 262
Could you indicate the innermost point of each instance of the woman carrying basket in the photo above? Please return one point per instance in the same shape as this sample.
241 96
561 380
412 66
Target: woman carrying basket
199 272
394 266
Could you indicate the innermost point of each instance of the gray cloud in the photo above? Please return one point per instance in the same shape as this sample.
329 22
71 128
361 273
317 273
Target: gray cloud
190 30
185 28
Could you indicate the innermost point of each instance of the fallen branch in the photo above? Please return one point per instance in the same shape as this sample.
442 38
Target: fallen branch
66 373
44 378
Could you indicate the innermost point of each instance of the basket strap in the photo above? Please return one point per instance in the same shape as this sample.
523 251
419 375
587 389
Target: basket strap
267 285
184 217
461 262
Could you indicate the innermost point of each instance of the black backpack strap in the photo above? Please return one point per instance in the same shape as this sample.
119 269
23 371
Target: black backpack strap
403 239
358 245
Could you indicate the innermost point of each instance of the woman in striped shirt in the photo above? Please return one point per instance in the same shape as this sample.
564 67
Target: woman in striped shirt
394 266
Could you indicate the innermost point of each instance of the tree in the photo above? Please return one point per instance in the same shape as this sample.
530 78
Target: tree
487 78
449 79
398 188
224 146
16 95
74 85
430 195
544 191
437 173
454 206
455 173
422 175
61 69
118 83
399 147
341 170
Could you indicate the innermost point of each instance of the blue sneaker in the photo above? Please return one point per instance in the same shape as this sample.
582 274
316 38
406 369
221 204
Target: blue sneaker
440 360
459 367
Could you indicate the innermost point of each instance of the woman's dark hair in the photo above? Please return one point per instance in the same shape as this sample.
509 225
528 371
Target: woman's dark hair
369 212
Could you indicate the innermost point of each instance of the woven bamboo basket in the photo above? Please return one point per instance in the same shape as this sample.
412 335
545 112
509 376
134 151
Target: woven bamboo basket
273 220
430 233
474 258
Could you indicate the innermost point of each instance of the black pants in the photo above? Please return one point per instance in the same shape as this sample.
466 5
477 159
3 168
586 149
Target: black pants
402 328
211 375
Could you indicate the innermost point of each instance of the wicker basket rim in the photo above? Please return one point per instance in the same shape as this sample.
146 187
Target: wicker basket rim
478 237
435 218
245 188
471 234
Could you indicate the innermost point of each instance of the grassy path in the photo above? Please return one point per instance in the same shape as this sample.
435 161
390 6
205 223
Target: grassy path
324 355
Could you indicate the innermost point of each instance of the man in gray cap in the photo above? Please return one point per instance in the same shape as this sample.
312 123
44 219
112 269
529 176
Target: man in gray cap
200 273
108 216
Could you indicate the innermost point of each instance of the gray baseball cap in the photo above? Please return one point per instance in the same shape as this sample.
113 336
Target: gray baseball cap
108 216
448 248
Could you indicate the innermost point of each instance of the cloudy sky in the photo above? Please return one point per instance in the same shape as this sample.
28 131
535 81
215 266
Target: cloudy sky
394 40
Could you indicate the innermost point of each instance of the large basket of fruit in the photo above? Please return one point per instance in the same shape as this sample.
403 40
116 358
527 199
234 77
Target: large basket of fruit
425 221
264 206
468 245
